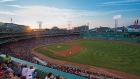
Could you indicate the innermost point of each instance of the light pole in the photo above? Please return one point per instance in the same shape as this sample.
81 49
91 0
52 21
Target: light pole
40 24
116 17
88 25
69 24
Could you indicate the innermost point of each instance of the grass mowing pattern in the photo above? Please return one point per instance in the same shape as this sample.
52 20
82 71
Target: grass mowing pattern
63 47
108 54
47 53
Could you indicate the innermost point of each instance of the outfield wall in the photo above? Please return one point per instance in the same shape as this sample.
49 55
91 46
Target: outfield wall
130 40
111 36
101 35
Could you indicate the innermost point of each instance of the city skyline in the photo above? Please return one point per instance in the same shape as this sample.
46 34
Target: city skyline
58 13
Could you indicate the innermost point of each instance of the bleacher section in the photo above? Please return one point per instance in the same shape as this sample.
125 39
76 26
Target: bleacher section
6 37
42 71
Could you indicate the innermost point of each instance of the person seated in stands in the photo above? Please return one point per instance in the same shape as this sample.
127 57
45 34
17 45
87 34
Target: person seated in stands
29 73
17 69
24 71
4 67
7 59
34 75
11 76
2 72
49 76
9 69
57 77
0 65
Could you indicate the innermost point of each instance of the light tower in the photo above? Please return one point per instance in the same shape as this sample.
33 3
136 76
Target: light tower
11 20
116 17
88 23
40 24
69 24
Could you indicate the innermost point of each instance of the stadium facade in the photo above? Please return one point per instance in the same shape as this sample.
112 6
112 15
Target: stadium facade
11 27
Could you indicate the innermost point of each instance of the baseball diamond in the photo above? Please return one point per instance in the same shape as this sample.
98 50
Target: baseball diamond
101 53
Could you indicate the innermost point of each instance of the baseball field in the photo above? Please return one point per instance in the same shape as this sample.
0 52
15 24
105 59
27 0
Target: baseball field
100 53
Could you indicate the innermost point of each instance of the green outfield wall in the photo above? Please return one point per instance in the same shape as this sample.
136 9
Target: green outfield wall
113 36
101 35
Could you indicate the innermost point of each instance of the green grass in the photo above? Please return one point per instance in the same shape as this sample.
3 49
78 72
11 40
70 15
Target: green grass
47 53
63 47
108 54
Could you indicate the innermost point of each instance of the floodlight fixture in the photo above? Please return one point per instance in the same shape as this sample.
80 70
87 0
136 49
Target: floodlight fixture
69 24
88 23
40 24
116 17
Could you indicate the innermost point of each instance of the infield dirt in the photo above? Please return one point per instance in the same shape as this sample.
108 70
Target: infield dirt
76 48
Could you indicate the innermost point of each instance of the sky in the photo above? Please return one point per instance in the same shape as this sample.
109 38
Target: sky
59 12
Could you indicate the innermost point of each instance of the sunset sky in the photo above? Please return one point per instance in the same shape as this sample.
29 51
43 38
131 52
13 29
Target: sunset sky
58 12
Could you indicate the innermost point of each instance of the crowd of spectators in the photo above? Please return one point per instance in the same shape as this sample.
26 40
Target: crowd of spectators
21 50
15 70
80 72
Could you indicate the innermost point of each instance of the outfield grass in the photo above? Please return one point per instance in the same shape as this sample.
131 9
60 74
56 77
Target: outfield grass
55 48
108 54
48 53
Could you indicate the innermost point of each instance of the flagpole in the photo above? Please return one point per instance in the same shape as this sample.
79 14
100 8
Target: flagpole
11 20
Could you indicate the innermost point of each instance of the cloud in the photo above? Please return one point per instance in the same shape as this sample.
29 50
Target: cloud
63 14
63 18
6 0
126 10
8 13
51 15
134 18
52 11
40 10
122 2
16 6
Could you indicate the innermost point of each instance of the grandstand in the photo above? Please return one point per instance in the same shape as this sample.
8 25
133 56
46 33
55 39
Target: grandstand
42 70
20 53
18 45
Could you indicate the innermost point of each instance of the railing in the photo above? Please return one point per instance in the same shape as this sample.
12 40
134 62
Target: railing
42 70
